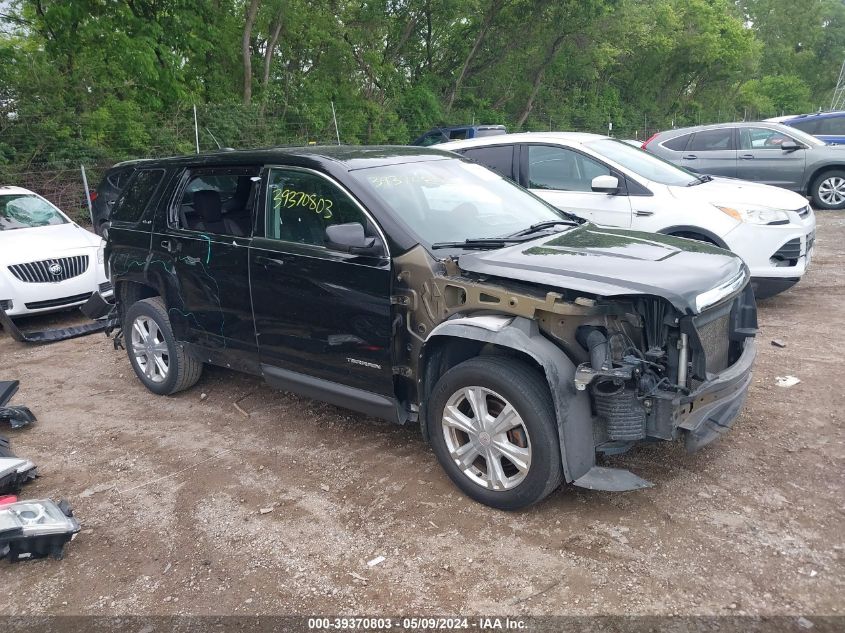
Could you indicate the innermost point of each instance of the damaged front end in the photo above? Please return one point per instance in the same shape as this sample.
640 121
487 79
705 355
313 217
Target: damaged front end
662 375
622 368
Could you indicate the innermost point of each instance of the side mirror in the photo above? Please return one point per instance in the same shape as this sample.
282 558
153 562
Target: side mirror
606 184
350 237
789 146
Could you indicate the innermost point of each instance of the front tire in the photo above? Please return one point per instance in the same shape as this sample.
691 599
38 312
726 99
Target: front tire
158 360
492 426
828 190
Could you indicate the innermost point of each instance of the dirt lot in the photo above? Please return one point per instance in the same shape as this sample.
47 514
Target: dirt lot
170 492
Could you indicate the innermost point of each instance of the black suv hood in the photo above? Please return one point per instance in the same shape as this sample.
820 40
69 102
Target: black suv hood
609 262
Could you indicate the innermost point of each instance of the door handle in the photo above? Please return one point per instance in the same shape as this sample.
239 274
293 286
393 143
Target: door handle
269 261
746 156
643 214
168 246
690 157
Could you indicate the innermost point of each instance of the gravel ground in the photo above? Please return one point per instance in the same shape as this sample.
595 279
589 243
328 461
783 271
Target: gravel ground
189 507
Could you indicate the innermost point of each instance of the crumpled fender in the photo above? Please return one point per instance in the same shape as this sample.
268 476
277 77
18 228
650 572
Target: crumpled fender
572 408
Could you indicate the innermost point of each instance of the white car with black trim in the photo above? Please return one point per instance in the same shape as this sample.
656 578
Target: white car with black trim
47 261
611 183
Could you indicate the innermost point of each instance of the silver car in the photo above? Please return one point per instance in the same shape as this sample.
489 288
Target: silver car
764 152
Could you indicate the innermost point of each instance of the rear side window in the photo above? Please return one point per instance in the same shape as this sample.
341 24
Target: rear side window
458 135
677 144
833 125
810 126
712 141
137 195
219 201
119 178
498 158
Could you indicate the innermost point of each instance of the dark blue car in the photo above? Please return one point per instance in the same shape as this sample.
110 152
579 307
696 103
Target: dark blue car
457 132
828 126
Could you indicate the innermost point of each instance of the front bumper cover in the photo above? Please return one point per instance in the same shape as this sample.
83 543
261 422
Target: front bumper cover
716 404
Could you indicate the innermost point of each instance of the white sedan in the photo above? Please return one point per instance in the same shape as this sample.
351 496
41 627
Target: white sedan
47 261
611 183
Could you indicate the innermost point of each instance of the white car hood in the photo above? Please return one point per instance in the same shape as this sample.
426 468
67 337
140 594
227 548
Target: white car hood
44 242
735 191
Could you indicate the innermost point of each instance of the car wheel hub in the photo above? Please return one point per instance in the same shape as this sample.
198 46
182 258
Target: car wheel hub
832 190
487 438
150 349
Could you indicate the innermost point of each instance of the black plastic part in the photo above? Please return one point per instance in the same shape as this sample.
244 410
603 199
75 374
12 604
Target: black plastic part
49 336
8 388
97 307
17 416
5 447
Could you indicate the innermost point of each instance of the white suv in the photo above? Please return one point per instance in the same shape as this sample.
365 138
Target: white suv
612 183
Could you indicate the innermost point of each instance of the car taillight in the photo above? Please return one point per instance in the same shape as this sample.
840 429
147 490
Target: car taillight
650 139
93 194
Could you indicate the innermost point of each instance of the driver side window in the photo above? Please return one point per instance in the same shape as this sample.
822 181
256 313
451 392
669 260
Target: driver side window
761 138
301 205
561 169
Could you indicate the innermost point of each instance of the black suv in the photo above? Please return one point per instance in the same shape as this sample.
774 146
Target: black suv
416 286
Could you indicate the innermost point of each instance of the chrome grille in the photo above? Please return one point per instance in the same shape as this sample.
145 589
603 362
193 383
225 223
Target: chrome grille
715 339
50 270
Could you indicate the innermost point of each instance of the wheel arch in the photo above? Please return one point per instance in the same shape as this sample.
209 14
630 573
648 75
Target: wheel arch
819 171
684 228
457 340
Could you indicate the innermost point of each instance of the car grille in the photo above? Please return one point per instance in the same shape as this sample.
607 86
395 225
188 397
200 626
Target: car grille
715 341
41 273
57 303
790 250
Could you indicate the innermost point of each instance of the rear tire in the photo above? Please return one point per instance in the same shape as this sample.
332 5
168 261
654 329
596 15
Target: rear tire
492 426
828 190
159 361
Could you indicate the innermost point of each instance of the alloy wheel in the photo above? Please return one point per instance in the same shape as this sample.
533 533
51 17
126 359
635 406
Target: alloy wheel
832 190
150 349
487 438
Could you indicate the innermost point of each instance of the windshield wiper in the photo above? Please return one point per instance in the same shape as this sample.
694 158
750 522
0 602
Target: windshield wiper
481 242
544 225
700 179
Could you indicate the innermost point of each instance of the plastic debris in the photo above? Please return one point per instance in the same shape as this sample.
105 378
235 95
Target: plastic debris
17 416
804 623
778 343
35 529
378 560
787 381
49 336
14 473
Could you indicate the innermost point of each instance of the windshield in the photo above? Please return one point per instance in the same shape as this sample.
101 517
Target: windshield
453 200
23 211
642 163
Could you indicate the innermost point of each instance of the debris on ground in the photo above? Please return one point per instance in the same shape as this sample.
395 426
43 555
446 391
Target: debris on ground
265 510
787 381
49 336
778 343
378 560
17 416
14 473
203 396
5 447
804 623
35 529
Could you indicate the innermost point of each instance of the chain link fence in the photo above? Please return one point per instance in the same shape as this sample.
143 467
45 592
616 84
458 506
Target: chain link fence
46 157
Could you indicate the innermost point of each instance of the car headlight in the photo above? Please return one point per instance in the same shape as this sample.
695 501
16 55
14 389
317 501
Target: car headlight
754 214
